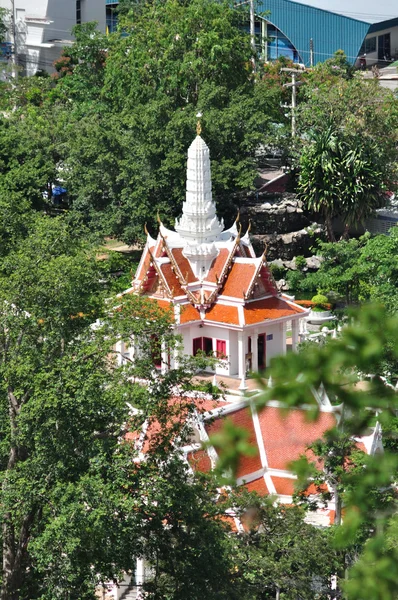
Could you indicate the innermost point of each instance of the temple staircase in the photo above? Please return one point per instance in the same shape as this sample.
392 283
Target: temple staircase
131 593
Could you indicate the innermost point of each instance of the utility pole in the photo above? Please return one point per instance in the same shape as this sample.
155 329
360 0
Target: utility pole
311 53
252 30
294 85
13 31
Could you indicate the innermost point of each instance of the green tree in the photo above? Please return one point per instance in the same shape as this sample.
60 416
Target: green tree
3 25
169 61
348 160
358 270
338 366
75 505
280 555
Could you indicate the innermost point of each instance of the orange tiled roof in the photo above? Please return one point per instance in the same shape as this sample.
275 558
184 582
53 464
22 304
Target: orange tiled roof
218 265
220 313
189 313
144 265
184 265
241 418
258 485
286 436
172 280
199 461
266 309
283 485
238 279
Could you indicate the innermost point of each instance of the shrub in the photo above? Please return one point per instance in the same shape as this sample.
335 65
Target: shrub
319 299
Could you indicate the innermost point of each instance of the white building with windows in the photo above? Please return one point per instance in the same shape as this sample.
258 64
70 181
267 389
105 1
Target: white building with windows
43 27
223 297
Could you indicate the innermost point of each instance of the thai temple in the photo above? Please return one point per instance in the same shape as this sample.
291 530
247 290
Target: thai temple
224 297
225 302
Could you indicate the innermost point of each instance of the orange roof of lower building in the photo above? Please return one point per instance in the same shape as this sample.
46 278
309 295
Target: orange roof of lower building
241 418
258 485
220 313
286 436
267 309
283 485
199 461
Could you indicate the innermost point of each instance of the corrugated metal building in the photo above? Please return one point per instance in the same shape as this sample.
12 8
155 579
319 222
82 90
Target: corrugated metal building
289 27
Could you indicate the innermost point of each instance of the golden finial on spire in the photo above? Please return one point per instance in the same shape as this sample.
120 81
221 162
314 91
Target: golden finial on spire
237 217
199 124
146 229
158 218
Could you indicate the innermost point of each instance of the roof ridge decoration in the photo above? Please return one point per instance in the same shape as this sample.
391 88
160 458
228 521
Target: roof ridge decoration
225 269
177 271
162 279
261 264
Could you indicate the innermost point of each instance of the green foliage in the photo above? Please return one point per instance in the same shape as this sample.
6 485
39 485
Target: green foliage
3 26
357 270
280 553
301 263
73 507
126 151
348 159
319 299
335 365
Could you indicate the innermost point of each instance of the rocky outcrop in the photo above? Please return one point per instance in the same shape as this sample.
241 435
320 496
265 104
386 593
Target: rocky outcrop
279 213
281 222
288 245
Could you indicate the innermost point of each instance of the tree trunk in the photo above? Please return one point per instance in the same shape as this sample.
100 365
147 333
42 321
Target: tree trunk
346 233
329 228
13 549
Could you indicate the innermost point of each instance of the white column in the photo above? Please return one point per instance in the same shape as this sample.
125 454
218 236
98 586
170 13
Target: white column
242 360
119 350
283 337
255 351
139 576
295 335
165 358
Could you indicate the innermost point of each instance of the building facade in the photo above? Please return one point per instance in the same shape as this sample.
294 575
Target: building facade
43 27
381 43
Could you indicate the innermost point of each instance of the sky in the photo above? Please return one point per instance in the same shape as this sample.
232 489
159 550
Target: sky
364 10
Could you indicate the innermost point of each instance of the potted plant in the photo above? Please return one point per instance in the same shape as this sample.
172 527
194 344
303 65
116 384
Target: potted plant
320 310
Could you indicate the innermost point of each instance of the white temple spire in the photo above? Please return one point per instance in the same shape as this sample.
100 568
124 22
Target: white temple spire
199 225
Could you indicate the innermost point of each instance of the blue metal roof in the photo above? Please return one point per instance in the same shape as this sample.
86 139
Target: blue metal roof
329 31
383 25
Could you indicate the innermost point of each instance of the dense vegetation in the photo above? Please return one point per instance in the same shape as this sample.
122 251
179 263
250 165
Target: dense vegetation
112 127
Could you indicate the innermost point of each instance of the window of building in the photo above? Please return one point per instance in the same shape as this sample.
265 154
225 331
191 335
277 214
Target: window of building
279 45
221 348
270 336
78 12
20 14
368 45
204 344
111 19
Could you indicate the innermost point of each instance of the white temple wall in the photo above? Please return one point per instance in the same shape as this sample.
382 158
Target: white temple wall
226 367
277 345
233 352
